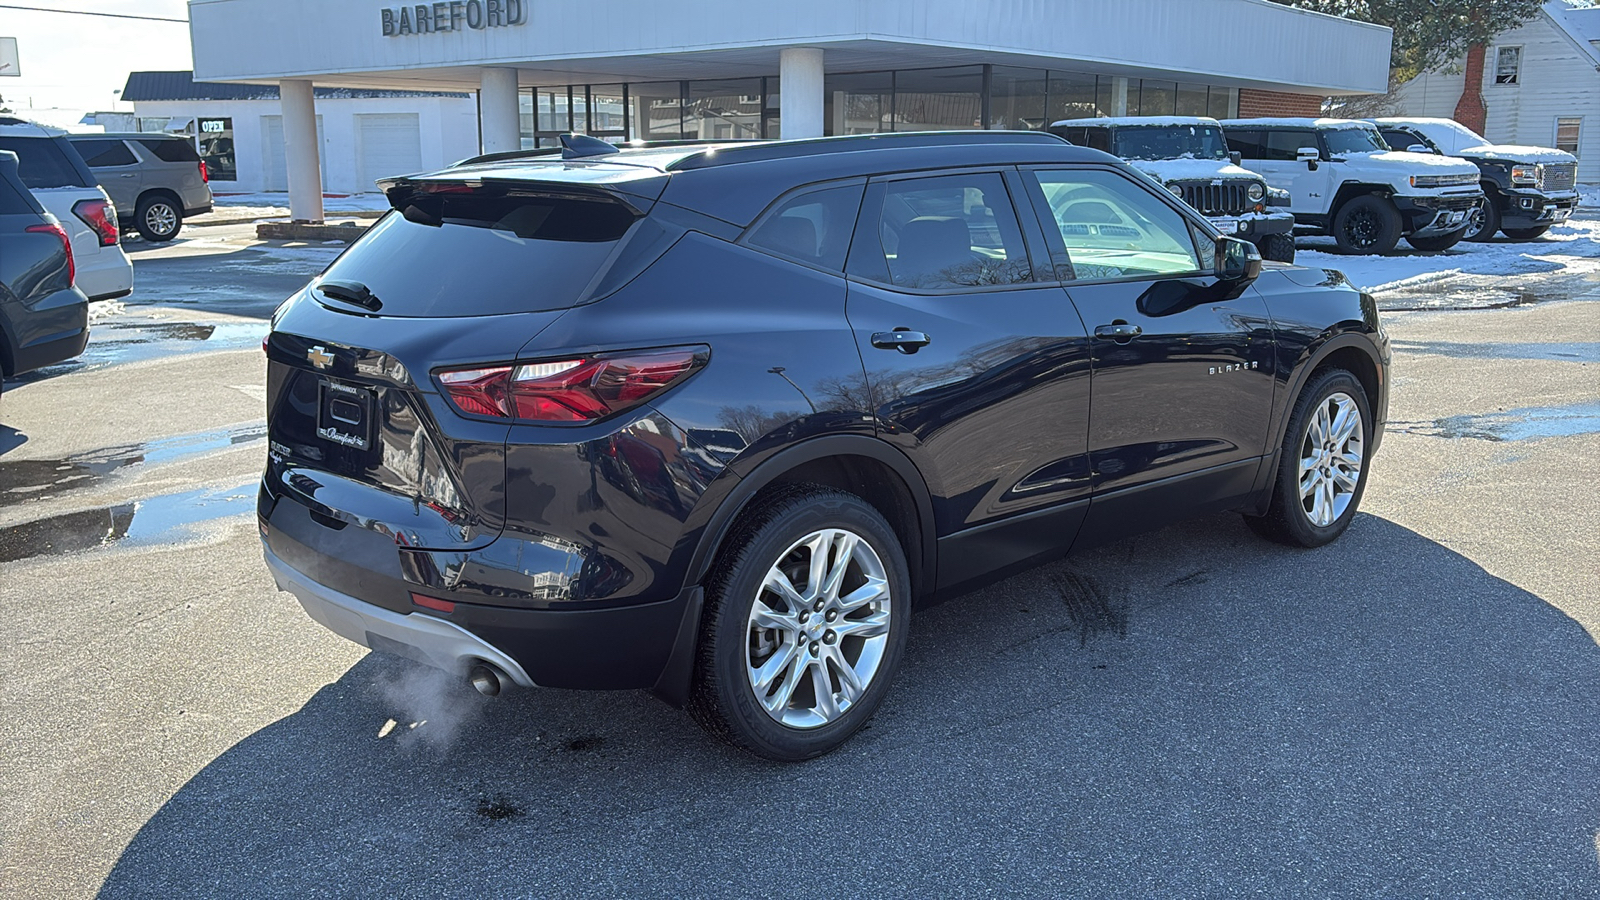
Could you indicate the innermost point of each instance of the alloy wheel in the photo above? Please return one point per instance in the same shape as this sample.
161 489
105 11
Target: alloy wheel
818 628
1331 456
1363 228
161 218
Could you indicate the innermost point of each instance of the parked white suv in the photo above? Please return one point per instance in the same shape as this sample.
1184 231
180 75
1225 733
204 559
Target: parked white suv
1345 181
56 175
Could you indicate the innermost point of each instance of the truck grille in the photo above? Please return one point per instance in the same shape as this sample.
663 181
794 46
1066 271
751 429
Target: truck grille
1226 199
1560 176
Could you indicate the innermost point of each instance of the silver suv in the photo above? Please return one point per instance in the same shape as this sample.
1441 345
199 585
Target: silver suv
155 180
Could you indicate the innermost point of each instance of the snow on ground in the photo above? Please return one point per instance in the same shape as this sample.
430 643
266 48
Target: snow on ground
1570 249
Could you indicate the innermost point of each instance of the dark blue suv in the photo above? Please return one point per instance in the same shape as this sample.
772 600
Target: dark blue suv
714 420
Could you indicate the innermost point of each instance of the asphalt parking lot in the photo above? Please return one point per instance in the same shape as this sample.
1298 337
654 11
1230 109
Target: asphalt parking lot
1413 711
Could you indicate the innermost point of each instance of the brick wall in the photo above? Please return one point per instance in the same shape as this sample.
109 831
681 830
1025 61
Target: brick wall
1255 104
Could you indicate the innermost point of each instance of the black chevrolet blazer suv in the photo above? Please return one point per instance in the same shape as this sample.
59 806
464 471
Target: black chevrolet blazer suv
713 420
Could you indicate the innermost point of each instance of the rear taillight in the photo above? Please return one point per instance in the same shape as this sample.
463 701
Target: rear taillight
205 175
101 216
570 390
66 245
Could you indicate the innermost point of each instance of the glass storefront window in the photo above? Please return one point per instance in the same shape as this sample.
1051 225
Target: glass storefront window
216 148
657 111
938 99
525 120
861 103
607 107
1017 98
1221 103
1072 96
1192 100
723 110
554 109
1156 98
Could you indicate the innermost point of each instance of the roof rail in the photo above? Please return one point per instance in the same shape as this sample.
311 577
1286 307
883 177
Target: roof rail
851 143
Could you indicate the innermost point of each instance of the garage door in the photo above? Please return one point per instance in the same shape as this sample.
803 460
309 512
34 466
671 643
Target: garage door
389 144
275 173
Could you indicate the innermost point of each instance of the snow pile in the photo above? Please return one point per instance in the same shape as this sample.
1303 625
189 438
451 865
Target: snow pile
1518 153
268 205
1191 169
1573 248
1589 195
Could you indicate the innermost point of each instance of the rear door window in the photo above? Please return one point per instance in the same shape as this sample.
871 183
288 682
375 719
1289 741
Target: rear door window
470 255
1246 143
102 153
1285 145
171 151
947 232
42 163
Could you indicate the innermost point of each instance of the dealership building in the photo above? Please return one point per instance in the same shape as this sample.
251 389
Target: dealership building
737 69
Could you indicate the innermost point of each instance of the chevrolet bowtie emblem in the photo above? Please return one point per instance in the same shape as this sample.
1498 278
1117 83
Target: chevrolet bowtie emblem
320 357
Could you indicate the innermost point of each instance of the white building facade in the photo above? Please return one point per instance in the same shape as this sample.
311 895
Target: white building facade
739 69
361 134
1540 85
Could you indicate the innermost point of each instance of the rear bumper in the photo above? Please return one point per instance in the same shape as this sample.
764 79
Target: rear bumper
105 272
50 331
420 638
199 210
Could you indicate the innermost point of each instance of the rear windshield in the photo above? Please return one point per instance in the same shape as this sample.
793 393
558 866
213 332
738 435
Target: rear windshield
486 256
42 162
171 151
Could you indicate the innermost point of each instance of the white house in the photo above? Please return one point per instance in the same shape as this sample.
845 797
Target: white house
731 68
1540 86
362 134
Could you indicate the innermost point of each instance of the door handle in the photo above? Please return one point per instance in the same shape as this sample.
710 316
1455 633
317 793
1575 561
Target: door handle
901 339
126 175
1118 331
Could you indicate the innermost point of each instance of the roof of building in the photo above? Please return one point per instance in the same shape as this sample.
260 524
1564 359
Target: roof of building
182 86
1582 25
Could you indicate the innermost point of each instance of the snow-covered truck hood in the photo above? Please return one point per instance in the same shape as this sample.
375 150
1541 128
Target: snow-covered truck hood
1167 170
1414 163
1517 154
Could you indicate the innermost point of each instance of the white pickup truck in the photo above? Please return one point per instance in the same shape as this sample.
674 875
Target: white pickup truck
1344 180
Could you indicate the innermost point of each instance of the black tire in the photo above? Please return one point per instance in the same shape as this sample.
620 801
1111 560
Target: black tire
1367 224
1287 520
1526 234
1438 242
158 218
724 697
1277 247
1487 223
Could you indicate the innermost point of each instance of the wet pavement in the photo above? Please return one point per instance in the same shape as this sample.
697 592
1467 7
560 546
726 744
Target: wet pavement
1410 711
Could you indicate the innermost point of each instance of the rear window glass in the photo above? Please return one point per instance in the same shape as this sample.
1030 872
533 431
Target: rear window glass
172 151
104 152
487 256
43 163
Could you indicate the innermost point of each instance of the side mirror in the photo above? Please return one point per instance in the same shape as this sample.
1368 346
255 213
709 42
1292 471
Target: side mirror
1235 157
1419 148
1238 261
1308 155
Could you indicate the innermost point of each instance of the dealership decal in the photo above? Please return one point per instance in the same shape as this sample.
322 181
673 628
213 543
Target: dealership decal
430 18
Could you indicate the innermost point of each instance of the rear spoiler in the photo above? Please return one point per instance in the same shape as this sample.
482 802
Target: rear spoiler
426 194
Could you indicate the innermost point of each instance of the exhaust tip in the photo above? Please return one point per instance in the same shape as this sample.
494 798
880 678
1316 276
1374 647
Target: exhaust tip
486 679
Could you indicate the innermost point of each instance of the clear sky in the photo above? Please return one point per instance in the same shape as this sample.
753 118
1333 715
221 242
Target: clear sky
76 61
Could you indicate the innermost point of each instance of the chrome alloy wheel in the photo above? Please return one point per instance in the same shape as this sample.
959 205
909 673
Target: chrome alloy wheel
161 218
1330 459
818 628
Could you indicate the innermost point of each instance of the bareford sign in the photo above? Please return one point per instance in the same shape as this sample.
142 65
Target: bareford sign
428 18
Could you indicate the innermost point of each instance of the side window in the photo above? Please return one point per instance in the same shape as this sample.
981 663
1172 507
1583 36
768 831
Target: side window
1246 143
1399 140
171 151
1098 139
101 153
944 232
41 163
1285 145
1114 228
812 227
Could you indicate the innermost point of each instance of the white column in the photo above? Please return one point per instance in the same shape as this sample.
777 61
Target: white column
800 90
301 154
1119 96
501 113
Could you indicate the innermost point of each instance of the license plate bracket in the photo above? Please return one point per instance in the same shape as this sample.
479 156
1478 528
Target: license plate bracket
344 415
